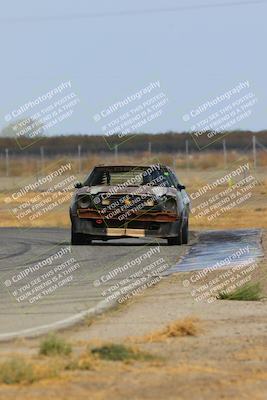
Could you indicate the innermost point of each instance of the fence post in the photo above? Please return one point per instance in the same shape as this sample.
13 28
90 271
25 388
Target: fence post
254 151
116 152
149 148
79 159
224 154
187 155
42 160
7 162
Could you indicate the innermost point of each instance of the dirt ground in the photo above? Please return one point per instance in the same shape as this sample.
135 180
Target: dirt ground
226 359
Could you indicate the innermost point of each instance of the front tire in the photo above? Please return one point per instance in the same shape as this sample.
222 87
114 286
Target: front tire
181 238
177 240
185 233
79 239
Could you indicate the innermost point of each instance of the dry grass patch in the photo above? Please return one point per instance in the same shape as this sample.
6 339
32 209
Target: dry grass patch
189 326
21 370
17 370
85 362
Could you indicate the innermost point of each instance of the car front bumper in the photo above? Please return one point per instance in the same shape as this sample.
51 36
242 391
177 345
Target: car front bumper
108 229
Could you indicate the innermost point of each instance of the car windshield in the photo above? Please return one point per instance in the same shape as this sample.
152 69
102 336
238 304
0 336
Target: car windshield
126 176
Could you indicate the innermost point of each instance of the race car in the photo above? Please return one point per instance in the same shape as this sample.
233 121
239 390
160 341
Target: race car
122 201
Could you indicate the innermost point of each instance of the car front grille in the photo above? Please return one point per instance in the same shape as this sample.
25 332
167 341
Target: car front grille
126 203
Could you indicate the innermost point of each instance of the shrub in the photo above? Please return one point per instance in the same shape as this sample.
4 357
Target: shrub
53 345
119 352
248 292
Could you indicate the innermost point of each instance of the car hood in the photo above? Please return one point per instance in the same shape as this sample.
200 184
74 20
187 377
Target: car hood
140 190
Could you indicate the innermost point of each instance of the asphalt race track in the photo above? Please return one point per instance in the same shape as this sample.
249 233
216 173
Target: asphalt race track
46 283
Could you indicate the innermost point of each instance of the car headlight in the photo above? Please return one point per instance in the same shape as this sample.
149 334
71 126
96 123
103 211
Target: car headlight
149 203
170 205
106 202
84 202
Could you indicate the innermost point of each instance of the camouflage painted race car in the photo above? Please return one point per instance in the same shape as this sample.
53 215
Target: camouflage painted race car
117 201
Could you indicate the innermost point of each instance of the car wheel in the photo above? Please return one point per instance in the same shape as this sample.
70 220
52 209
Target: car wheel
177 240
79 239
185 233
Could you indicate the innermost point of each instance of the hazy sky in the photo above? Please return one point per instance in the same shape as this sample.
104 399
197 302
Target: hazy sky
111 49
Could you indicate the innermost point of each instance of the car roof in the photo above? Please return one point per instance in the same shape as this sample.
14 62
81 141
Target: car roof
128 166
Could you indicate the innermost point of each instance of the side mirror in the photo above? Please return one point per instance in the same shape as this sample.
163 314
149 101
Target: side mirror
78 185
180 187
